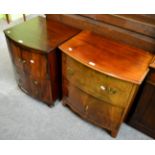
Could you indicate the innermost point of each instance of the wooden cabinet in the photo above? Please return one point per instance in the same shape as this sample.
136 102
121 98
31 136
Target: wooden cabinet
101 77
143 117
33 49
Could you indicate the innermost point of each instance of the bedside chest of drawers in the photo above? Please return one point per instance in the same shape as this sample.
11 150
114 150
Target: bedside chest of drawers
101 77
33 49
143 117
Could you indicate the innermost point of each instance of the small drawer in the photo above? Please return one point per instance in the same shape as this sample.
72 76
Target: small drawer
99 85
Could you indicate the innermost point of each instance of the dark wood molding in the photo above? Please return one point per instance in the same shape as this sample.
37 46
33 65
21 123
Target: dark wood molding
108 30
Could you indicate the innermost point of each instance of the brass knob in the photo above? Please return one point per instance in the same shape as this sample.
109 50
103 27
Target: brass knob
32 61
19 59
103 88
23 61
35 82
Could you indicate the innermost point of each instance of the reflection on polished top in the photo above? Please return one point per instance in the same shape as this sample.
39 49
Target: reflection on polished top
109 57
41 34
152 65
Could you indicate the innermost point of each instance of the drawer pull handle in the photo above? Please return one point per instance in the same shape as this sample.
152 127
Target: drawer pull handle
32 61
92 63
23 61
35 82
108 90
103 88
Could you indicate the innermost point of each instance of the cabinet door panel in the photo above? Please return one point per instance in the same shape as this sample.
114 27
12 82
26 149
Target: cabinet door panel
74 97
104 114
16 56
96 111
40 89
35 65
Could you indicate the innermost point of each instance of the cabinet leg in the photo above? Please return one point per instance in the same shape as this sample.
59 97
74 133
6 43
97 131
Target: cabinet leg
64 103
114 133
50 105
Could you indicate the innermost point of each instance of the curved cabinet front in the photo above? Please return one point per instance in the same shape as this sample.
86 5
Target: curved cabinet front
32 72
33 48
96 97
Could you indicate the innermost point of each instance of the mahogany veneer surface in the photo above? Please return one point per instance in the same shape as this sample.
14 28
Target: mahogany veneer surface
110 57
41 34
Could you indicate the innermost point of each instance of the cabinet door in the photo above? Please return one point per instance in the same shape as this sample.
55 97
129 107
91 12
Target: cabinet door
74 97
104 114
35 64
40 89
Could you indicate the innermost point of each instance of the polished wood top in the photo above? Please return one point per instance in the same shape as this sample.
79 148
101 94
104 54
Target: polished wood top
41 34
109 57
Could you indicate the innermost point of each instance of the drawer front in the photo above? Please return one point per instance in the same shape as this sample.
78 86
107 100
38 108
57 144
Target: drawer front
103 87
34 64
98 112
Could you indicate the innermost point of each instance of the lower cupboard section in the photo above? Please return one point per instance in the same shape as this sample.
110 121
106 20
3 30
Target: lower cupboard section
39 89
92 109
